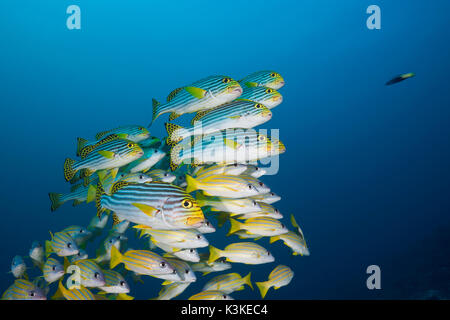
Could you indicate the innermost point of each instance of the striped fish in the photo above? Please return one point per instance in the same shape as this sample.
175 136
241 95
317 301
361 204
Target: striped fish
18 267
261 187
280 276
254 171
266 96
36 253
85 147
110 155
161 175
224 147
183 238
228 283
204 94
266 78
268 198
261 226
131 132
183 269
266 211
23 289
222 185
143 164
242 252
78 233
189 254
114 282
172 290
294 240
206 227
91 274
208 267
81 255
78 193
104 251
62 244
211 295
73 294
142 262
237 114
150 142
157 205
237 206
234 169
53 270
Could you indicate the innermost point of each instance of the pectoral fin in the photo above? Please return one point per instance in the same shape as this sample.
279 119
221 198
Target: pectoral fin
196 92
231 143
107 154
148 210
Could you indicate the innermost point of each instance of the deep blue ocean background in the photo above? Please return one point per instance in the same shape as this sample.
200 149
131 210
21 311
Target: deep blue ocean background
366 170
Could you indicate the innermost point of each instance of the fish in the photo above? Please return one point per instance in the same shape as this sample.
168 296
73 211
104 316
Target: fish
104 251
36 254
208 267
242 252
18 267
206 227
222 185
225 147
400 78
211 295
234 169
294 239
97 223
183 270
80 293
154 142
183 238
265 78
62 244
52 270
237 206
228 283
260 186
267 211
91 275
156 204
78 193
84 147
201 95
161 175
114 283
279 277
262 226
237 114
266 96
172 290
254 171
146 162
81 255
141 262
268 198
78 233
110 155
189 254
120 228
23 289
133 133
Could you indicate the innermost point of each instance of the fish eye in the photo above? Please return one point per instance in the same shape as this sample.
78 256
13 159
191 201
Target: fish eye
268 253
269 90
130 145
69 245
261 184
32 294
141 128
81 230
199 237
235 164
261 138
186 203
96 275
186 271
254 203
191 250
226 80
162 264
54 268
282 226
224 296
122 283
258 106
272 194
277 211
273 74
250 187
166 174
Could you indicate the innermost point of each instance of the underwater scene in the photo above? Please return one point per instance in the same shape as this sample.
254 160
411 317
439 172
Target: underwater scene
204 150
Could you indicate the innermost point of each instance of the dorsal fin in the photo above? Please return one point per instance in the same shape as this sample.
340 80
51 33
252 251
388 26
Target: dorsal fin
200 115
173 94
119 185
88 149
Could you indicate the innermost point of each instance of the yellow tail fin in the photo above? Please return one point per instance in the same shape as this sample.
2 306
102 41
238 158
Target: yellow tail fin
263 287
214 254
247 280
116 257
69 171
48 248
273 239
173 135
235 226
55 198
192 184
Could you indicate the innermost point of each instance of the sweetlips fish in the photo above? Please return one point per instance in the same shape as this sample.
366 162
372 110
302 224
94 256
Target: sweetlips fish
183 238
269 198
266 96
279 277
78 193
134 133
148 160
237 114
201 95
156 205
208 267
78 233
266 78
91 275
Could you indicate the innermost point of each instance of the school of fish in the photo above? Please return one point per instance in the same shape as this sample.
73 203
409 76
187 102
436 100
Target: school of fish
166 191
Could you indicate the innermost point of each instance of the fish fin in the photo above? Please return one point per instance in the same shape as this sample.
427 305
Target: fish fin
102 174
99 135
199 115
207 272
198 93
116 219
148 210
92 190
69 170
251 84
25 275
167 282
66 264
214 254
235 117
155 109
114 172
263 287
257 238
231 143
172 133
235 226
116 257
295 225
273 239
119 185
60 292
81 143
48 248
124 296
173 94
107 154
98 197
295 253
222 217
55 199
77 202
201 199
173 116
247 280
192 184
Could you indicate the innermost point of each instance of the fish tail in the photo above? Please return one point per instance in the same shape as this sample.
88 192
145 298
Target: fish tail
247 280
124 296
192 184
48 248
55 198
98 199
214 254
116 257
201 199
273 239
60 292
263 287
175 159
81 143
69 170
173 135
92 191
156 109
235 226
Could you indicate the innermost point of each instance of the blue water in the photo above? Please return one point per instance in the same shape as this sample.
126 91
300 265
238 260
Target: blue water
366 170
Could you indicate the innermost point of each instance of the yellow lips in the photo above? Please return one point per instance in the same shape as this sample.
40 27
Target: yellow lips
195 222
